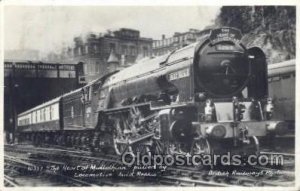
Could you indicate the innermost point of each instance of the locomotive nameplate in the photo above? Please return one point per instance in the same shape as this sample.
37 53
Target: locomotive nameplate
179 74
225 34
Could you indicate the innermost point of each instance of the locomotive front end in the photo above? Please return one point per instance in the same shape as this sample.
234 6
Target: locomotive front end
230 86
222 66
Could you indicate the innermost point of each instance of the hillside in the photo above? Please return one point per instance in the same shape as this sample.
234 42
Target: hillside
272 28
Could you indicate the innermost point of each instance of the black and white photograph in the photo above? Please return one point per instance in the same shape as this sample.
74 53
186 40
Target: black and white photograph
98 95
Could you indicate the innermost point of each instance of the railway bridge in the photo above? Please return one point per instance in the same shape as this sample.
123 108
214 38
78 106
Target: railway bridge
28 83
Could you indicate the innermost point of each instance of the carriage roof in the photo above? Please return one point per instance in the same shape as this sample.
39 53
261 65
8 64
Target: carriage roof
281 68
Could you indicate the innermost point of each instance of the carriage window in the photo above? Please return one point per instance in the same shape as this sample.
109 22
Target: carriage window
38 119
72 111
44 114
41 115
276 78
50 112
33 117
285 76
47 113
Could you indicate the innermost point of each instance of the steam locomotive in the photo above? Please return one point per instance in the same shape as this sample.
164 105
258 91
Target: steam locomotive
207 97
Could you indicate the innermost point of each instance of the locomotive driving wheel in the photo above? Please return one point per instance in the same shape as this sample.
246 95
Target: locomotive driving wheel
141 149
201 146
254 145
121 147
121 138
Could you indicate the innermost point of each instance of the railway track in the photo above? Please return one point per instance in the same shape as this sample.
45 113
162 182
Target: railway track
173 176
9 181
195 177
29 157
288 160
86 158
287 156
25 163
65 180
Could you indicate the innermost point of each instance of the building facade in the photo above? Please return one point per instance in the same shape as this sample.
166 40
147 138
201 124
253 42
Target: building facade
178 40
95 50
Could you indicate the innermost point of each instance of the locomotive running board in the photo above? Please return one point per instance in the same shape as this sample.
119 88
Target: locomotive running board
154 106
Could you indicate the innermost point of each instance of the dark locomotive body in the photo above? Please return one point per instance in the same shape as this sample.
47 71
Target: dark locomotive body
208 97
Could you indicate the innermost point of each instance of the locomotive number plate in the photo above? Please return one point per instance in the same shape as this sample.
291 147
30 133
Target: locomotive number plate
179 74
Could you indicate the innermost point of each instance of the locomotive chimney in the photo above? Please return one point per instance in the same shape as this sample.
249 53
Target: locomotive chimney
163 37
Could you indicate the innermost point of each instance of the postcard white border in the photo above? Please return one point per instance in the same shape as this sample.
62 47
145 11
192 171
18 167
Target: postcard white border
150 3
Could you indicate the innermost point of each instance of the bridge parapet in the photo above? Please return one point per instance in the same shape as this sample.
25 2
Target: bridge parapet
29 69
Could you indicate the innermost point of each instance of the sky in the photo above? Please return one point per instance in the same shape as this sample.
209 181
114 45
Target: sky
49 28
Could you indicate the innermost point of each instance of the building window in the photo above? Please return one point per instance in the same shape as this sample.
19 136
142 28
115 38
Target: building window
89 67
124 49
97 67
94 67
85 68
145 51
96 49
132 50
86 49
112 46
75 52
80 51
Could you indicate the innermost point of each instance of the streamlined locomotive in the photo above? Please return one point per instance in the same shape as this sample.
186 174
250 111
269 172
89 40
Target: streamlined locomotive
207 97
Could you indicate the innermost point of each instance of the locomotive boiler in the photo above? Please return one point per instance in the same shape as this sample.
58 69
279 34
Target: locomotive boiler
207 97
